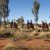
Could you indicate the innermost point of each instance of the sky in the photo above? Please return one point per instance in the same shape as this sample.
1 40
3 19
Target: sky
23 8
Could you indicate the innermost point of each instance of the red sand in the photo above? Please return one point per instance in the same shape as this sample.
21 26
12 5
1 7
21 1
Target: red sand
24 43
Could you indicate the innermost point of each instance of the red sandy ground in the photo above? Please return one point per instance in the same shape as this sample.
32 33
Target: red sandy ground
24 43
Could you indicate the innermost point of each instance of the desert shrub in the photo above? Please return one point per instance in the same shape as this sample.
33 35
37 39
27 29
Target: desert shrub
48 35
6 35
9 48
12 36
23 48
15 48
1 35
20 37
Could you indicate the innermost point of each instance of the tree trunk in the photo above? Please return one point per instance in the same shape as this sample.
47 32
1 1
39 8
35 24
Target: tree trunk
36 26
4 20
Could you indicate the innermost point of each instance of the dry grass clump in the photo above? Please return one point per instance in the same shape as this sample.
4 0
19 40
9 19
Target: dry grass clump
24 48
15 48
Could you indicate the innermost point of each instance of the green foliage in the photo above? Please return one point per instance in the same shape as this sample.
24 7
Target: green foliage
4 9
35 10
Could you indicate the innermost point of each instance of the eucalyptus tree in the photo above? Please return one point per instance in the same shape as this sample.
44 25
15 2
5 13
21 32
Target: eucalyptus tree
4 9
35 10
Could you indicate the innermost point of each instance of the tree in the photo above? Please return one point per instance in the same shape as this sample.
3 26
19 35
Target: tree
35 9
4 9
20 21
